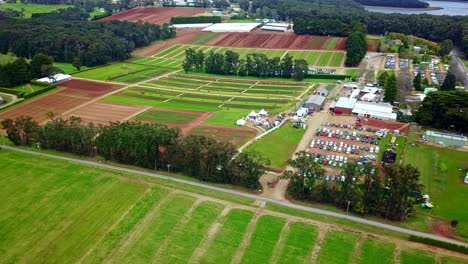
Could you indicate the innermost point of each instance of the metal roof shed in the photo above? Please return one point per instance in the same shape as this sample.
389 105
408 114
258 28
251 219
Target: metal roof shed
315 102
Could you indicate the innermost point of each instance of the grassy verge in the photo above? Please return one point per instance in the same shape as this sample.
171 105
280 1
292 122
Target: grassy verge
30 9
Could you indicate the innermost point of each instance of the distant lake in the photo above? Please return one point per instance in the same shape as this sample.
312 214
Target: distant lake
448 8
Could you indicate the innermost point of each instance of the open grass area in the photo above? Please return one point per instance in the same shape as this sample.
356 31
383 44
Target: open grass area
416 257
59 211
165 117
324 58
337 59
376 251
111 71
278 154
212 94
26 88
226 117
68 68
30 9
444 186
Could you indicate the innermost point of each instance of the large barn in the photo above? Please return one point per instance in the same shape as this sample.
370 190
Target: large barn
344 105
315 102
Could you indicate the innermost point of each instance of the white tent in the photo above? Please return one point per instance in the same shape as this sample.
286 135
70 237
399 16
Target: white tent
241 122
263 112
253 114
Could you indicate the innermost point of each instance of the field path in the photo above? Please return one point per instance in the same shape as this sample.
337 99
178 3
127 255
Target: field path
190 126
299 207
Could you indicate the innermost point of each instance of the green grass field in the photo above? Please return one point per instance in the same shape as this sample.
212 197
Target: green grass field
30 9
165 117
446 189
68 67
58 211
226 117
278 154
324 58
203 38
111 71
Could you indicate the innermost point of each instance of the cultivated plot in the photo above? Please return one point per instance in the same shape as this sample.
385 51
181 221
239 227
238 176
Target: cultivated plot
77 213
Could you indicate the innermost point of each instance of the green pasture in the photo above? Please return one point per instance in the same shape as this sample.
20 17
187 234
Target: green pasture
226 117
442 171
111 71
203 38
63 212
165 117
278 154
337 59
30 9
68 68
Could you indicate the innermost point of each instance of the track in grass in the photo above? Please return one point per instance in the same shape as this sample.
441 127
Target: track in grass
298 243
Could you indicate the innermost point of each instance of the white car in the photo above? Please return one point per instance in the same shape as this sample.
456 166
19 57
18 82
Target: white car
371 150
312 143
376 150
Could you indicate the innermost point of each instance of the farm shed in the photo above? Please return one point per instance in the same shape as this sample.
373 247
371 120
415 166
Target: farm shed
315 102
374 110
344 105
201 25
58 78
231 27
323 92
445 138
270 28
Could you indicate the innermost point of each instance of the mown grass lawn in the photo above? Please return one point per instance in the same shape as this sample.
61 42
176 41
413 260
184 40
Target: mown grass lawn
112 70
30 9
446 189
68 67
324 58
165 117
377 251
226 117
337 247
416 257
279 145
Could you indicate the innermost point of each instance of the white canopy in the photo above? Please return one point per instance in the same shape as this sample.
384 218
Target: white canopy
263 112
241 122
253 113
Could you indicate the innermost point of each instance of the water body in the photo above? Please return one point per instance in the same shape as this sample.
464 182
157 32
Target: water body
446 8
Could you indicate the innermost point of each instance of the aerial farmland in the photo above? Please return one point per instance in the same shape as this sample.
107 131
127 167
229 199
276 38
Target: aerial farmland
155 158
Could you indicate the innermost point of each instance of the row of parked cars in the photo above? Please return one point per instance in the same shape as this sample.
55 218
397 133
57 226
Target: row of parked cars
390 62
365 138
330 160
331 177
351 127
342 147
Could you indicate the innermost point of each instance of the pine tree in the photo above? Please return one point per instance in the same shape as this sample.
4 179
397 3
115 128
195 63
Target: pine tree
417 82
390 89
449 82
383 78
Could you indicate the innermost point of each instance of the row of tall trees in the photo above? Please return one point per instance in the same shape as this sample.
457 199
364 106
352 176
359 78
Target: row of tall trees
152 146
92 43
363 191
21 71
356 48
258 65
444 110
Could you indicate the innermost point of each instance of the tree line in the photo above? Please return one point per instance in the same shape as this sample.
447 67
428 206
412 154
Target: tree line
65 40
22 71
356 48
444 110
152 146
329 17
363 190
255 64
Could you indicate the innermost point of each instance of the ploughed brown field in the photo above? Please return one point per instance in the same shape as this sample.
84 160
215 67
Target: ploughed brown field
71 95
152 15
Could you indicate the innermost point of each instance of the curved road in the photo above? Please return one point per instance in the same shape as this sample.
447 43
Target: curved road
246 195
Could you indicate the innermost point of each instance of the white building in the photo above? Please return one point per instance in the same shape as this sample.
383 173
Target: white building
58 78
374 110
201 25
231 27
271 28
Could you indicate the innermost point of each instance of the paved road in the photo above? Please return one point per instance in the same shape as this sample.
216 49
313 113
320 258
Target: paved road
246 195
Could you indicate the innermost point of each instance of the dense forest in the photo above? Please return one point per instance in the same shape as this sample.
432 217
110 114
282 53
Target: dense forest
395 3
66 39
258 65
152 146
